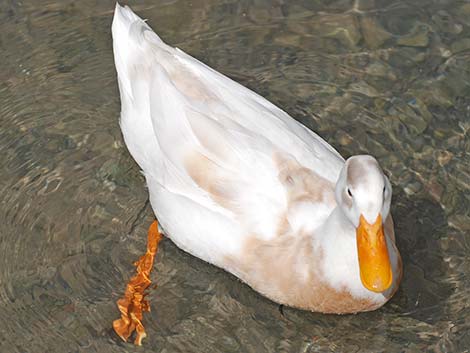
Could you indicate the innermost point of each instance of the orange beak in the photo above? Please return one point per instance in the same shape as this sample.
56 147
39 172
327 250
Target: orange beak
374 263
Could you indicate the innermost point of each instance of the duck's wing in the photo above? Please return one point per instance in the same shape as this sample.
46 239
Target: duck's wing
213 140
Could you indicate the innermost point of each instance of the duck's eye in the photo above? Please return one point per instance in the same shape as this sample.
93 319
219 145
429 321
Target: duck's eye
384 190
349 192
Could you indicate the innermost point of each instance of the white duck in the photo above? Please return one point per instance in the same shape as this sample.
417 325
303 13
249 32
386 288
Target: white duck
237 182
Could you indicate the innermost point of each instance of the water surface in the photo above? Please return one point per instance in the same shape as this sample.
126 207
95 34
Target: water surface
387 78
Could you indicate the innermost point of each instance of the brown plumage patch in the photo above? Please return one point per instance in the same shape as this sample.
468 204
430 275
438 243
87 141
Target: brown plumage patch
302 184
206 174
286 270
190 85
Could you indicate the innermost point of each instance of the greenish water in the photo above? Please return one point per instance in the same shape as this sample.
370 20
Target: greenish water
388 78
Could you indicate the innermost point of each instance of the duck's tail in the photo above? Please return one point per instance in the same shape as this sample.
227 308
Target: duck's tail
124 19
136 55
132 39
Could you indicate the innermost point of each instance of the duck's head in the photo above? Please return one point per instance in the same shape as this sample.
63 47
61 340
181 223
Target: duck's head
364 194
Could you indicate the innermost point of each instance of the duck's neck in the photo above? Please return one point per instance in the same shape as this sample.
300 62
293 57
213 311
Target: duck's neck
339 226
340 264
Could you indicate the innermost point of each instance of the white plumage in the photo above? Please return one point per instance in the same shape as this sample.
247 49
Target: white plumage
225 167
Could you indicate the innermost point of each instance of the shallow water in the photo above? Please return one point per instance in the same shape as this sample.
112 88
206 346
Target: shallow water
388 78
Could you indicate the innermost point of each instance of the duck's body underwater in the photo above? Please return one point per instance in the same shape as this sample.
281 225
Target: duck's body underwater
237 182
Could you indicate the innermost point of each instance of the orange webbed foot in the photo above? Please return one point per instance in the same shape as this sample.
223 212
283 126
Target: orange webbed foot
133 304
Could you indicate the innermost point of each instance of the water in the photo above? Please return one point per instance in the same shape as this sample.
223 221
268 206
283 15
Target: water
389 78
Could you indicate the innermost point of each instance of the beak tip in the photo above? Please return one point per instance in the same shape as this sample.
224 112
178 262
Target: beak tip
378 285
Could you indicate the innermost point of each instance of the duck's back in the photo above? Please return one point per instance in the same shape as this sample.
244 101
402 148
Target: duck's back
209 147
